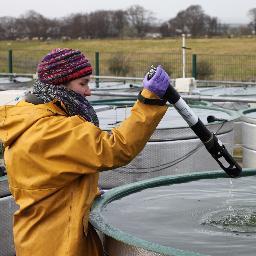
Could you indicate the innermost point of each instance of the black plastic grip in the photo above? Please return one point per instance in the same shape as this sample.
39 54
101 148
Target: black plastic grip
201 131
172 95
222 156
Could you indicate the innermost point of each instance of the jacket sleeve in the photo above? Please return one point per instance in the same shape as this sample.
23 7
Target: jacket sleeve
119 147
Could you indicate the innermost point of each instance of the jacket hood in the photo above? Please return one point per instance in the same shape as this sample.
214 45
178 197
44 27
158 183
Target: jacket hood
15 120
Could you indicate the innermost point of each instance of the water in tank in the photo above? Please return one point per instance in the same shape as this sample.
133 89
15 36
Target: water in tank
194 214
229 91
173 148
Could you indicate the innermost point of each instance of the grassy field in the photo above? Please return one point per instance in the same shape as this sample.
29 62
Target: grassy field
216 46
229 58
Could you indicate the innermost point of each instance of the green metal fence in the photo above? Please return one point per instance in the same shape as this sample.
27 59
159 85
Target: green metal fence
200 66
229 67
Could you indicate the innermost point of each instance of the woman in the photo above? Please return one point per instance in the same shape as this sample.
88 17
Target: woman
54 151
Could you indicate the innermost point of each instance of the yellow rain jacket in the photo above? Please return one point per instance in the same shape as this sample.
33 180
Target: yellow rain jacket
53 162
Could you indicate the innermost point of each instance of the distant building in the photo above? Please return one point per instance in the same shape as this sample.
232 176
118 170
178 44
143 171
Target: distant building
153 35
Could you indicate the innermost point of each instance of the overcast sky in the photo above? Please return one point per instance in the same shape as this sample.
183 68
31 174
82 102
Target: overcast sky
227 11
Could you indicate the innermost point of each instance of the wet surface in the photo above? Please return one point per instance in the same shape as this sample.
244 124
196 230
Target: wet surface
213 217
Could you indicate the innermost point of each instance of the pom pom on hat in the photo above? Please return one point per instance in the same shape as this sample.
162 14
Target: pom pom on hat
62 65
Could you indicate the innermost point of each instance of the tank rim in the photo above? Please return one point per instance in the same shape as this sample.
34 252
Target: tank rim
245 118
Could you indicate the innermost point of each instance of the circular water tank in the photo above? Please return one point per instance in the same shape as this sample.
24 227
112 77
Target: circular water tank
238 91
15 83
112 87
229 91
173 147
248 118
195 214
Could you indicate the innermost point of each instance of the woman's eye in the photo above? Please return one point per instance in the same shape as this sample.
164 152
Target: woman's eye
84 83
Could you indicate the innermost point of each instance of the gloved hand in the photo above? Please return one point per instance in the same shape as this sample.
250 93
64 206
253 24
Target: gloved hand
159 83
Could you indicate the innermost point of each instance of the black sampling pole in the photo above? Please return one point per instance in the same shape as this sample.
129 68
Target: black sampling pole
211 142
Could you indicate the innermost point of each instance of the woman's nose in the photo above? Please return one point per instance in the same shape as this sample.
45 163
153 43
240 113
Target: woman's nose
87 91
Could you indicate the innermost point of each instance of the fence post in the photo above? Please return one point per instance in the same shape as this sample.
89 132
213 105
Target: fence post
194 66
10 65
97 67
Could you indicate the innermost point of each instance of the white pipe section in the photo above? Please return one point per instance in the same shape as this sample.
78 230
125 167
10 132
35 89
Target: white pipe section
183 56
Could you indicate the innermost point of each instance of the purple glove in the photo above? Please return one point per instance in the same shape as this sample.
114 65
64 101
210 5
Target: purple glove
159 83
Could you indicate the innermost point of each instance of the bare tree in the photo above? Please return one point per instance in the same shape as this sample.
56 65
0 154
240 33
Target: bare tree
99 24
195 18
136 21
212 26
139 19
194 21
119 23
53 30
74 26
2 31
34 23
8 25
252 15
164 29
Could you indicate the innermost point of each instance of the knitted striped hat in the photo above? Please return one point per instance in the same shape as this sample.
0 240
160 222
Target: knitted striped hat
63 65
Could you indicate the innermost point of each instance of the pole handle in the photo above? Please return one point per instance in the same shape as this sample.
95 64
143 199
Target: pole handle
214 146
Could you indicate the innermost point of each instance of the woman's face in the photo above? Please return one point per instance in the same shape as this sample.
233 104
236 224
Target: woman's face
80 85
